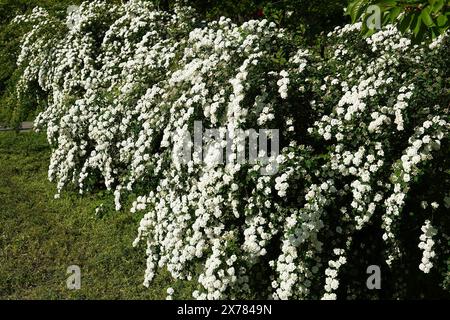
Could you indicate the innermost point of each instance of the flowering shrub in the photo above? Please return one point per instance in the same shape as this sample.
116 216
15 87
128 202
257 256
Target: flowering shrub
13 112
363 137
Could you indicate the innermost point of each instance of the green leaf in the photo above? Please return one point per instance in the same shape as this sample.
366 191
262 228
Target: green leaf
387 3
357 9
416 24
420 33
426 17
405 22
441 21
437 6
350 8
394 13
369 32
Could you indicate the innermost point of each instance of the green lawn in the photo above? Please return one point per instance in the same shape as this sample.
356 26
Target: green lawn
40 236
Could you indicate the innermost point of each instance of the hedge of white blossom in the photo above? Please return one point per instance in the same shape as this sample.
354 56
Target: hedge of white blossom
363 166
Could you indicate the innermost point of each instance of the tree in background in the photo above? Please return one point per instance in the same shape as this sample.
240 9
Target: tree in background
308 17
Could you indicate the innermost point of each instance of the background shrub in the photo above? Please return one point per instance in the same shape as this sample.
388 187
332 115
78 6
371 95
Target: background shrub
12 111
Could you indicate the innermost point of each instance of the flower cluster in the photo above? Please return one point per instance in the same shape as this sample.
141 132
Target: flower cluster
426 244
283 84
331 282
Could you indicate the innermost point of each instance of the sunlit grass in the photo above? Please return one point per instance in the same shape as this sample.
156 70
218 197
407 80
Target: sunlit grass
40 236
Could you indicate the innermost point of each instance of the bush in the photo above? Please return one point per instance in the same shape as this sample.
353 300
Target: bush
362 174
12 111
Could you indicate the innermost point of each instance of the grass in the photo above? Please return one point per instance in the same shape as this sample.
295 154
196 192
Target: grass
40 237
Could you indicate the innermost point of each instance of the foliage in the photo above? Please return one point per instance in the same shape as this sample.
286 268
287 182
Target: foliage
308 18
424 18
